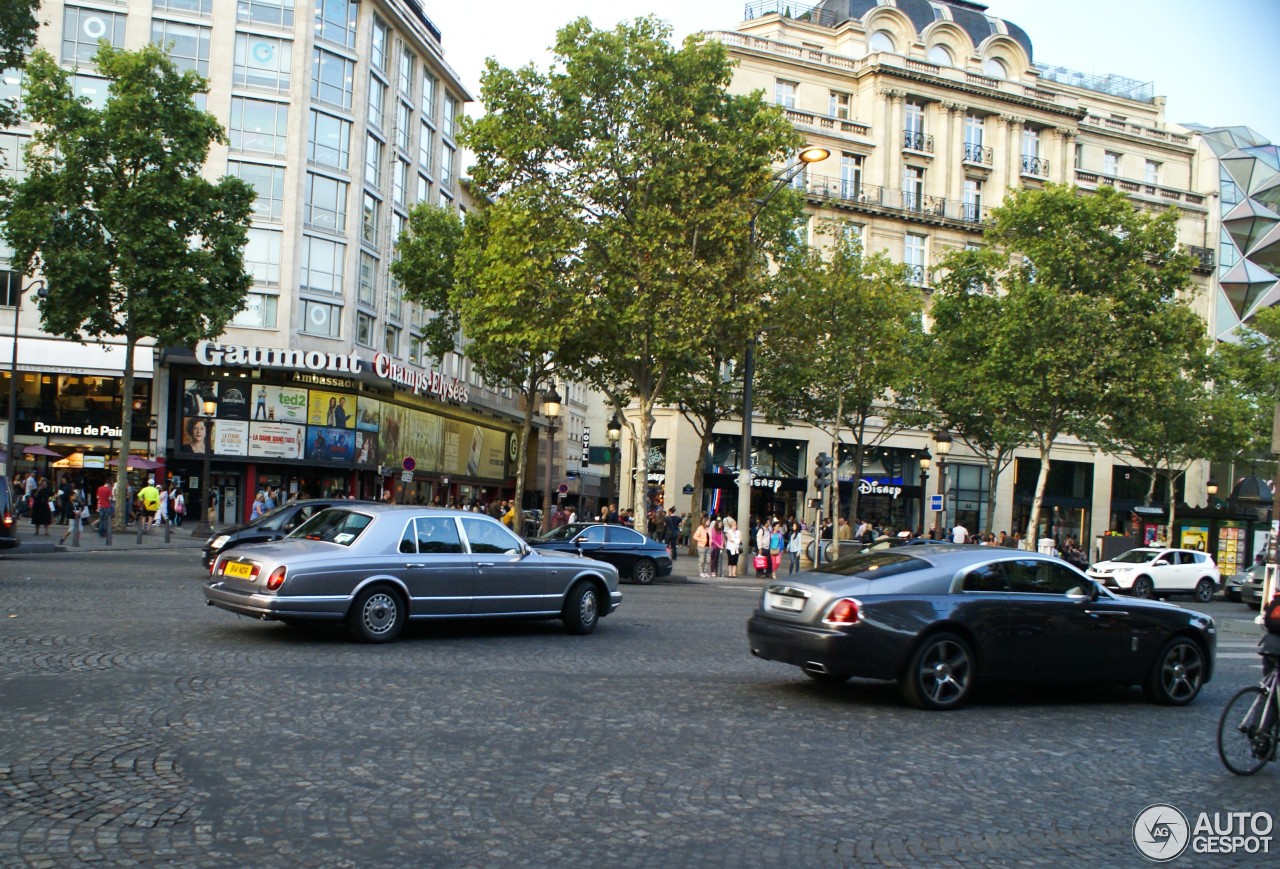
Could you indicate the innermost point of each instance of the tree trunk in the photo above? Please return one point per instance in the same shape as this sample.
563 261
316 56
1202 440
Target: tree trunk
522 459
641 483
993 479
1033 527
126 428
695 502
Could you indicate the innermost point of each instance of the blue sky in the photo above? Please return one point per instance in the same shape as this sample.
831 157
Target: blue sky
1217 63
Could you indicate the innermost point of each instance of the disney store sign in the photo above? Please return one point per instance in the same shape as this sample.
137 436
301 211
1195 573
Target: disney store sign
416 380
892 488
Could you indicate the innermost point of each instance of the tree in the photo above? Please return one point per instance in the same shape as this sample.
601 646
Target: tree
1247 390
1080 289
841 349
131 240
636 162
18 24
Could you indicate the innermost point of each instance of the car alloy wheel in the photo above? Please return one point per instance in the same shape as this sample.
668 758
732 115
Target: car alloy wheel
1204 590
377 616
581 609
644 572
1178 673
940 674
1144 588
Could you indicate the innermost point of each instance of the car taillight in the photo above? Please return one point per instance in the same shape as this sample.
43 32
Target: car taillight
846 611
8 518
276 579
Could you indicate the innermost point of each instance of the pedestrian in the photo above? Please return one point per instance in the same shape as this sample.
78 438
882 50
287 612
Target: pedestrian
672 531
41 508
162 508
793 547
79 511
149 496
776 544
105 496
732 544
259 507
716 542
762 549
702 539
179 503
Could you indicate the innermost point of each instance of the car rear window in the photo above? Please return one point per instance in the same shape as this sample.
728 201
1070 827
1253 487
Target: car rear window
873 565
334 526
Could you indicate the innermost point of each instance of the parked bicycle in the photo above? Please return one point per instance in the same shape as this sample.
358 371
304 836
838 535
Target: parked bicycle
1249 729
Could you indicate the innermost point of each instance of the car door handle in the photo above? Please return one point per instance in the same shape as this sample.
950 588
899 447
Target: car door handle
487 564
1096 613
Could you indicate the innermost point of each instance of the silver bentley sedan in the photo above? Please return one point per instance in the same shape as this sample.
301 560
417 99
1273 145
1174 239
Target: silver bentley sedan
376 566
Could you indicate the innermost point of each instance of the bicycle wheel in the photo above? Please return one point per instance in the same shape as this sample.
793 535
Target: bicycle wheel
1244 749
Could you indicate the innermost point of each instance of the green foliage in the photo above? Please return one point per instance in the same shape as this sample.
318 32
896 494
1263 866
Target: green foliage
1247 390
1076 303
424 269
18 24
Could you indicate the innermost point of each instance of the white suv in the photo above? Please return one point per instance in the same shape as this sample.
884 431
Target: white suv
1150 571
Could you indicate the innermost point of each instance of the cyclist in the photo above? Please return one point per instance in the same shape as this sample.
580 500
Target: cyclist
1269 648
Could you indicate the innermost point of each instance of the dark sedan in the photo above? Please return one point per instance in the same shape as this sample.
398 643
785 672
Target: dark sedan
374 567
637 557
272 525
939 620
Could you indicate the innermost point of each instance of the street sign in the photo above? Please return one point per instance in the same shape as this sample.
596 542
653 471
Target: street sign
935 503
406 477
563 488
408 464
386 471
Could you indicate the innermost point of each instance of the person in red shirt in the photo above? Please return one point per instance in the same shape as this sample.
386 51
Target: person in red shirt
106 499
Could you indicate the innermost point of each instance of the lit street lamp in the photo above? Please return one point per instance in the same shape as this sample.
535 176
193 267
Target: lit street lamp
550 409
209 408
926 462
942 443
614 434
13 370
808 154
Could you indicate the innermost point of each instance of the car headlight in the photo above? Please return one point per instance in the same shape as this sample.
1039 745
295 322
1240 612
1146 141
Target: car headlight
219 541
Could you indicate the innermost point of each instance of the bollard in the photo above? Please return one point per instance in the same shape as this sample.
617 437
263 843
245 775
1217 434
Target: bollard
110 522
138 522
75 531
166 530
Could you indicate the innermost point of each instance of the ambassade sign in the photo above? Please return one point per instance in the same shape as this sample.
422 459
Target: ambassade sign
415 380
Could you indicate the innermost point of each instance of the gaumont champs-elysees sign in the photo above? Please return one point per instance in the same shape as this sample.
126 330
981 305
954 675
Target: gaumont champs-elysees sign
415 380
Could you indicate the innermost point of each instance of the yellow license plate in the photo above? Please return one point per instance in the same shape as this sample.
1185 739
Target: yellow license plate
238 569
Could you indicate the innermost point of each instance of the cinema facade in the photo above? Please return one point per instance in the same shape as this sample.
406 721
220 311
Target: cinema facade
316 424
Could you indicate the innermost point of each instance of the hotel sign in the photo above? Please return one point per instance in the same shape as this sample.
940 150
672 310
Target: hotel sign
416 380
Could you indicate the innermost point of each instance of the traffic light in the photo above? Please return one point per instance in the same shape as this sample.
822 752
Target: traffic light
822 471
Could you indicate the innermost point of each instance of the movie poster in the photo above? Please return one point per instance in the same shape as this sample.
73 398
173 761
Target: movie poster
233 399
273 440
231 438
331 409
326 444
279 404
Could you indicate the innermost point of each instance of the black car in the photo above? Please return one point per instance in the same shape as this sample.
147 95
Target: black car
939 620
272 525
640 558
8 517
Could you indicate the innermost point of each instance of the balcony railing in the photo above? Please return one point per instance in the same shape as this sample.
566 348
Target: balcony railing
978 154
1034 166
846 192
1204 257
913 141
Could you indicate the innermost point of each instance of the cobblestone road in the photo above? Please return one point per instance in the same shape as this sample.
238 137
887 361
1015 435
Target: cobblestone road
138 727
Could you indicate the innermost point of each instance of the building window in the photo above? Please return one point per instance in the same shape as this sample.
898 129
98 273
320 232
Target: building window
321 319
972 200
838 105
912 188
11 88
10 287
326 204
278 13
377 102
882 41
415 348
367 291
13 161
262 255
336 22
259 312
332 78
330 141
394 298
1151 172
262 62
195 7
372 161
391 341
186 44
81 30
400 183
450 117
784 93
940 55
258 126
446 167
1110 163
854 233
993 68
850 176
370 219
1079 156
364 329
322 265
404 126
424 189
406 73
913 254
426 148
268 183
378 44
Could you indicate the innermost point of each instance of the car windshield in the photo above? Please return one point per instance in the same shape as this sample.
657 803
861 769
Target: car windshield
873 565
333 526
1136 556
564 532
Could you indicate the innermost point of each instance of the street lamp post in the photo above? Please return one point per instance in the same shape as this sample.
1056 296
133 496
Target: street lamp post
614 434
926 462
942 443
13 371
807 155
550 409
204 527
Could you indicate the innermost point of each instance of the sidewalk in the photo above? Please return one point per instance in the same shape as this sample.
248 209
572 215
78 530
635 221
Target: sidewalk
179 538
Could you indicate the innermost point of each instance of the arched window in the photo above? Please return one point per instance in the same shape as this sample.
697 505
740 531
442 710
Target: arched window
940 55
882 41
993 68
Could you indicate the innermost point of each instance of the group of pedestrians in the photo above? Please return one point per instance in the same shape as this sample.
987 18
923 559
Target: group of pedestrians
719 542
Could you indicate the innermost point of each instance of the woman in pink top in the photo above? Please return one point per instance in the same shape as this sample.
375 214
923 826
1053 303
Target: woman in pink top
717 545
